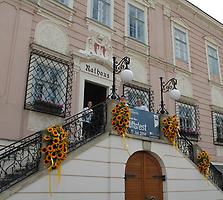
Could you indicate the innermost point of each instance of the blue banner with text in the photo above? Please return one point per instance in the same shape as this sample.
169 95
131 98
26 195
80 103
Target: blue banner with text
144 123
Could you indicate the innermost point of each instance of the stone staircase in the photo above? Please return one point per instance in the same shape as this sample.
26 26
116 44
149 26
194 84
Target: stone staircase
95 170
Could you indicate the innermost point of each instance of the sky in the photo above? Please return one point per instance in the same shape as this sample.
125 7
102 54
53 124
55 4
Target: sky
212 7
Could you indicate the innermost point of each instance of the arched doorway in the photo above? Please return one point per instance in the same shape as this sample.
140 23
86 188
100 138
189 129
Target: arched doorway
143 178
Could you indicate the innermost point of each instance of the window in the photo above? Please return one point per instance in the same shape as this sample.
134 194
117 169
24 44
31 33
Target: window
180 45
217 119
101 11
213 61
65 2
48 84
136 23
133 92
188 118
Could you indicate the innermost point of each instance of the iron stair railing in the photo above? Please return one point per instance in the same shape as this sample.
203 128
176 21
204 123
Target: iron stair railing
187 147
22 158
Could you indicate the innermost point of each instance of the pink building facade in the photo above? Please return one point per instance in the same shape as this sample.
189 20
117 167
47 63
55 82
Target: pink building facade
57 55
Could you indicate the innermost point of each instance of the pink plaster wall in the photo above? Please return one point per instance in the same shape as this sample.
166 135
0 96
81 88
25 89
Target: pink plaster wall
18 22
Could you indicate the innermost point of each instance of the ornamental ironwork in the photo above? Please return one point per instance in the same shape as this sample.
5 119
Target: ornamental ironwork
188 116
81 130
19 160
49 84
22 158
186 146
217 125
133 92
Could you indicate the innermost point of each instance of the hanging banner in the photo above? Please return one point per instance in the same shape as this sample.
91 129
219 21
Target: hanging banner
144 123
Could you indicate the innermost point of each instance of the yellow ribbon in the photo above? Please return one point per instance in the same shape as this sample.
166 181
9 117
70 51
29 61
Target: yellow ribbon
125 143
49 182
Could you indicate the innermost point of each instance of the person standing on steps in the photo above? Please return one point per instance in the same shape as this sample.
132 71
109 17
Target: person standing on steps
87 119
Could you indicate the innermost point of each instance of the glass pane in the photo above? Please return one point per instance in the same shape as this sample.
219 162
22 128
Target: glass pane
212 52
180 35
140 31
95 9
132 11
132 28
140 14
213 65
105 12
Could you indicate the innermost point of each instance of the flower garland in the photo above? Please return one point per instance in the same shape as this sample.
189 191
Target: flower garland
56 147
120 118
170 128
203 163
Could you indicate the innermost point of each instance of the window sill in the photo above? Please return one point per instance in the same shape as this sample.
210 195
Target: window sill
184 71
61 5
190 135
214 83
183 66
95 25
219 141
47 107
136 46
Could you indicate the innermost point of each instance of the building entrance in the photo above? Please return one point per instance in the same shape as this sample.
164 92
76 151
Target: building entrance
94 92
143 178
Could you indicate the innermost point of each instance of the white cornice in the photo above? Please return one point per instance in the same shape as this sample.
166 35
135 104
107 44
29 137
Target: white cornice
197 11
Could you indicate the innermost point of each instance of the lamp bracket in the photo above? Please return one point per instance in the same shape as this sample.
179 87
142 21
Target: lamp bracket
122 64
169 85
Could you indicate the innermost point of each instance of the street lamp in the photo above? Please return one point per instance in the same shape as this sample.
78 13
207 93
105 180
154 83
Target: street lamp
174 93
126 74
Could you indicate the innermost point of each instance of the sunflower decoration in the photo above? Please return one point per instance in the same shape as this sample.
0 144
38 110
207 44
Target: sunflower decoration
203 163
56 146
120 117
170 128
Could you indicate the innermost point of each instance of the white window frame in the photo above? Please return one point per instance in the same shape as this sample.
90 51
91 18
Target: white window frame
214 46
180 26
142 6
90 13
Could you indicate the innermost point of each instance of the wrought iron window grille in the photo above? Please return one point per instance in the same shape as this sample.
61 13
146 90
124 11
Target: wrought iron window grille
133 92
188 116
217 126
49 84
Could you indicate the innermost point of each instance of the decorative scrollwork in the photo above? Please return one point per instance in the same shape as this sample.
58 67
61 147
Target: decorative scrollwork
186 146
22 158
19 160
169 85
80 132
122 64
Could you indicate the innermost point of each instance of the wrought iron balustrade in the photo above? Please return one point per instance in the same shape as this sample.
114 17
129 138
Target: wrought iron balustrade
79 131
19 160
22 158
186 146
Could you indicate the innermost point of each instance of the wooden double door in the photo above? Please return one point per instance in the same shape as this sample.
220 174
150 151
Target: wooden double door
143 178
